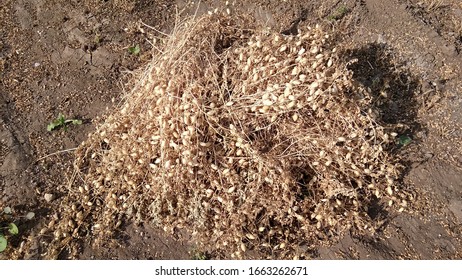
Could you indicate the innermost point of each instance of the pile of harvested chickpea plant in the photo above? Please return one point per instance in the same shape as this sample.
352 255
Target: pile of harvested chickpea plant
256 143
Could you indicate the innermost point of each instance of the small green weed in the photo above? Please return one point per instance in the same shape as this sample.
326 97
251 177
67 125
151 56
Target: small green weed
61 121
97 39
199 255
339 13
134 50
6 228
404 140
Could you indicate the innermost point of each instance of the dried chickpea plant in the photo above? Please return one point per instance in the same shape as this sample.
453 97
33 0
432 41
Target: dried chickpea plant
249 139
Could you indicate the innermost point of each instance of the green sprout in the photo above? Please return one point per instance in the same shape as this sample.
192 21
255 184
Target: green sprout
338 14
3 243
61 121
199 255
5 227
404 140
97 39
134 50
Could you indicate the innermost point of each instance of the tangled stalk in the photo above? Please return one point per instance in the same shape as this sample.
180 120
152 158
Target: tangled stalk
251 140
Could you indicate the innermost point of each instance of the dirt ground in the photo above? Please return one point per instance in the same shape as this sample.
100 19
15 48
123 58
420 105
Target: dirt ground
72 57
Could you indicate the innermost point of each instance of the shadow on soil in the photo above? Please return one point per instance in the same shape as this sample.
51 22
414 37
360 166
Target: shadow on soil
393 89
394 93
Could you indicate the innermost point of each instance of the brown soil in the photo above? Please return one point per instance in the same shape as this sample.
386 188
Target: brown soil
72 57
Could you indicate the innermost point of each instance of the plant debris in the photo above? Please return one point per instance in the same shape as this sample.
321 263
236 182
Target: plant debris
249 139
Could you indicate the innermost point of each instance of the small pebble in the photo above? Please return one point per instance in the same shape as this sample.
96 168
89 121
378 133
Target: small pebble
48 197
